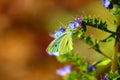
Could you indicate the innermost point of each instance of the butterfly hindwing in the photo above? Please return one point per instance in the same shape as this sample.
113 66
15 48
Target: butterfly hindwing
54 45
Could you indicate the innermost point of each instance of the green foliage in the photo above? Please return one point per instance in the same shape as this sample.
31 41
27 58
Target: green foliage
117 9
93 43
113 76
118 59
72 76
103 65
71 57
95 22
109 38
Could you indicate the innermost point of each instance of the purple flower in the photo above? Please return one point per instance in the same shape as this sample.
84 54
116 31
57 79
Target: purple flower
53 53
91 67
59 32
64 71
73 25
62 29
106 3
105 78
79 20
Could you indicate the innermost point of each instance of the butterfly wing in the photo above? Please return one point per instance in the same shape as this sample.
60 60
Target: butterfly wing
66 44
62 44
54 45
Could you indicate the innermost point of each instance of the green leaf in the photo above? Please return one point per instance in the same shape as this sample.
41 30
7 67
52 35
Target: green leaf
62 58
113 76
104 62
103 65
118 78
95 22
118 60
109 38
72 76
116 9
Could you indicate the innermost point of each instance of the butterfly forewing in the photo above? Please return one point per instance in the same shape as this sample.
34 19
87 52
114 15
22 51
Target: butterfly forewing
66 44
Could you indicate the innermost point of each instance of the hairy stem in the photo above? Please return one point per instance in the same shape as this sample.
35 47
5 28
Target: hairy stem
114 59
117 46
110 31
103 54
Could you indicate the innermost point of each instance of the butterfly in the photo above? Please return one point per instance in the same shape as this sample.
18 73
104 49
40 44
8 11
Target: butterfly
63 44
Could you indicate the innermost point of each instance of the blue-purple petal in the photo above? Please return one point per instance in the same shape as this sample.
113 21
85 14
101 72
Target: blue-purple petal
91 67
105 78
64 71
106 3
57 34
79 20
53 53
62 29
73 25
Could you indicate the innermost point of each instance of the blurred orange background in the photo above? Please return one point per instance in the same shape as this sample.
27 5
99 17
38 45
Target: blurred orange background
24 35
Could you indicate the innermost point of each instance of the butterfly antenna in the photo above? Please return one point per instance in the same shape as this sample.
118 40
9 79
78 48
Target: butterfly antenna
60 23
73 17
83 13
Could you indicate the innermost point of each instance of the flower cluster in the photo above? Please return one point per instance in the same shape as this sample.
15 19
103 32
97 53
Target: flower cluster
59 32
106 3
72 25
64 71
75 24
53 53
105 78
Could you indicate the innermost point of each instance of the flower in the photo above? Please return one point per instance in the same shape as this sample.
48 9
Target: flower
73 25
53 53
79 20
64 71
91 67
52 35
59 32
106 3
105 78
62 29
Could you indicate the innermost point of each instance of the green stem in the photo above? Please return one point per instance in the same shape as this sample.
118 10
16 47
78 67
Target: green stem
114 59
110 31
96 23
103 54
